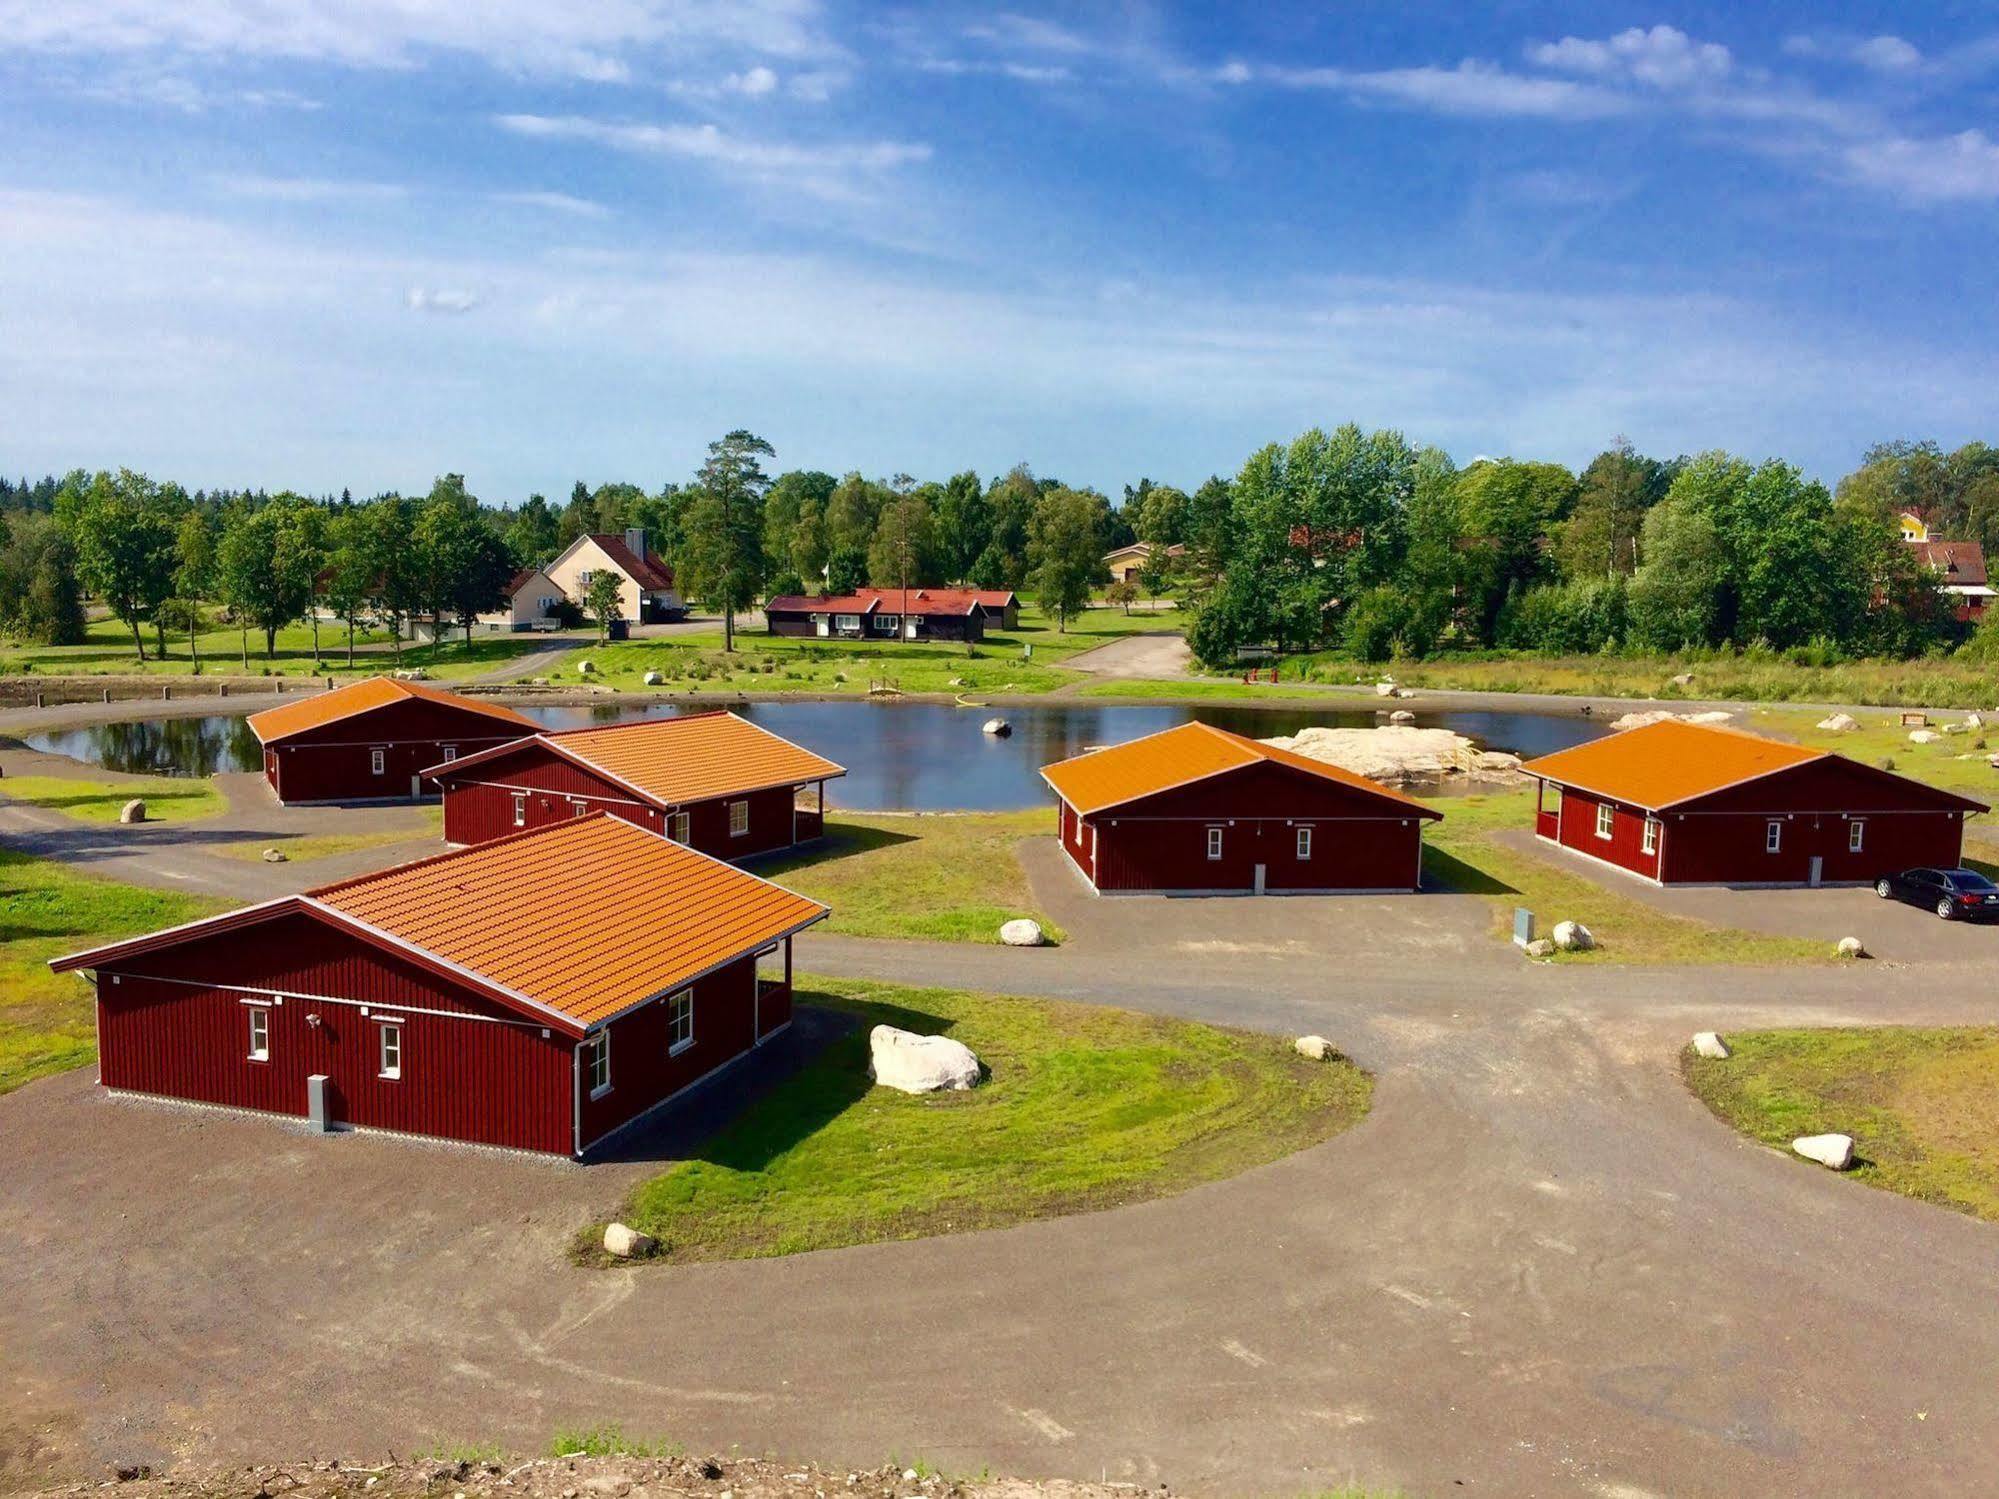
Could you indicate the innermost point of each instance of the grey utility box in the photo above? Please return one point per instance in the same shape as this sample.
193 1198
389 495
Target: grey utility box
318 1109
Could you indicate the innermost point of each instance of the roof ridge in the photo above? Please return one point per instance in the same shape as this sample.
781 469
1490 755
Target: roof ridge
642 723
455 853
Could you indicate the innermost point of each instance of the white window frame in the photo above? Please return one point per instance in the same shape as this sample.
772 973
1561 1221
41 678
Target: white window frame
520 809
389 1051
446 753
600 1065
680 827
1606 819
1304 845
260 1033
1650 844
846 621
739 819
1214 843
1856 836
578 806
888 624
378 762
679 1022
1773 836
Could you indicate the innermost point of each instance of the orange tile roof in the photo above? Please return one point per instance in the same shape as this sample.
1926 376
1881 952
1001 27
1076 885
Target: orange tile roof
686 759
1174 757
324 708
586 918
1671 761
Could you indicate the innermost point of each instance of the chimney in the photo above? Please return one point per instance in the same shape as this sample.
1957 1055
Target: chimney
635 541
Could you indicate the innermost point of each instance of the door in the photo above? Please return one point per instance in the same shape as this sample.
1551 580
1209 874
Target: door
1818 870
825 627
1260 869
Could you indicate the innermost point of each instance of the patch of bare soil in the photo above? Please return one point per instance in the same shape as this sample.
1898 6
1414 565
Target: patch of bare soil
580 1477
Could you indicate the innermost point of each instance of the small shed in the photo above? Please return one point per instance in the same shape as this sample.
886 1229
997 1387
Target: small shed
713 781
1680 803
1196 810
541 992
370 740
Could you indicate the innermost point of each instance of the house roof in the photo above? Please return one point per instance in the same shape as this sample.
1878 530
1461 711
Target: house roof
897 601
1962 563
324 708
1106 778
673 761
576 922
525 576
1670 762
649 573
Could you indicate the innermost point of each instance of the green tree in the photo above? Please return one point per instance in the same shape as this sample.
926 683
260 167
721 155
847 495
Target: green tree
1679 593
195 577
797 498
846 570
398 581
964 524
486 567
1122 592
903 552
1210 530
852 510
1010 502
723 548
604 598
1505 509
1063 552
444 543
536 533
40 597
266 563
352 567
123 530
1600 537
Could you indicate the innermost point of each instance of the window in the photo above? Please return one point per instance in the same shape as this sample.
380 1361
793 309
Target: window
680 827
446 753
378 761
739 819
392 1051
600 1066
577 807
1304 844
1214 843
846 621
1856 837
1606 818
583 577
888 624
520 809
1773 836
545 603
1651 836
260 1034
680 1022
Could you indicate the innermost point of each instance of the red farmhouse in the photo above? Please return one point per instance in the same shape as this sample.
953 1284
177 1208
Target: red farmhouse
367 741
540 992
1689 804
713 781
1200 811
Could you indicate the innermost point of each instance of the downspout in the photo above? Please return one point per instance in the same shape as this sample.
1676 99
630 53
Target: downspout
576 1098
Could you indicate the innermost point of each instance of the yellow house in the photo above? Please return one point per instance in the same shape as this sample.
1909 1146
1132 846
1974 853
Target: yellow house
645 583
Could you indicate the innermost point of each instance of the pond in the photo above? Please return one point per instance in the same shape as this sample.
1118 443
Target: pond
915 756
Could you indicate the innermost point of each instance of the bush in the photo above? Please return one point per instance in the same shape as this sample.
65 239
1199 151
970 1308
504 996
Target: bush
567 613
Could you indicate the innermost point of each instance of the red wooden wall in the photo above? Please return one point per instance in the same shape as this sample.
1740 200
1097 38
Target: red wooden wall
334 763
1626 845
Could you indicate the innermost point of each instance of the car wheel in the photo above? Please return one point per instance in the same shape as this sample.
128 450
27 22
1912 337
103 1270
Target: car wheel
1881 889
1946 910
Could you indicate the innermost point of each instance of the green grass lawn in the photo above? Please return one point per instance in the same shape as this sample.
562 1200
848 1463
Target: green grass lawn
1026 660
1956 762
1922 1105
167 798
1461 852
48 1020
1085 1108
953 877
107 651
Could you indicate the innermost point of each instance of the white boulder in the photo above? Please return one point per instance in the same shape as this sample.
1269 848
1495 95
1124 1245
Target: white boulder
999 728
1401 715
1683 679
919 1064
1712 715
133 811
1974 720
274 856
653 679
628 1243
1839 723
586 668
1835 1151
1022 932
1384 689
1572 936
1850 947
1708 1044
1924 736
1317 1048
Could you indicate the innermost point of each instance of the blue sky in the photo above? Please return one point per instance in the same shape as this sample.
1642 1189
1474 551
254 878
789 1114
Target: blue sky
362 242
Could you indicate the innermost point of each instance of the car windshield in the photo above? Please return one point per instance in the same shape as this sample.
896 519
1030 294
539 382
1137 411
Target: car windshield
1969 879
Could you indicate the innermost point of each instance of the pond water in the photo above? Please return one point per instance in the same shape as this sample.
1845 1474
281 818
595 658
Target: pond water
916 756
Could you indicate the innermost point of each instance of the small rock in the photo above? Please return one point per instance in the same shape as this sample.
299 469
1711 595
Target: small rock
1022 932
133 1472
1974 720
1317 1048
628 1243
920 1064
1924 736
1540 947
1839 723
1495 762
1573 936
1708 1044
1401 715
653 679
133 811
1835 1151
274 856
586 668
1683 679
999 728
1954 728
1405 692
957 682
1384 688
909 1475
1850 947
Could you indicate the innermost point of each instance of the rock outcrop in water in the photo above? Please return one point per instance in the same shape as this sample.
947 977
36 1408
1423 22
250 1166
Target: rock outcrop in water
1401 755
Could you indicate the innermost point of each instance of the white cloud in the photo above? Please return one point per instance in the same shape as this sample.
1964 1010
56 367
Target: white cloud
594 42
448 301
1030 33
309 189
1941 168
1882 54
1472 88
1663 57
1020 72
754 83
582 208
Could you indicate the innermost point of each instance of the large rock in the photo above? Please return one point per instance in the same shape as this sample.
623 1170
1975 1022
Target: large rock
1974 720
1924 736
1646 716
274 856
1839 723
1683 679
586 668
1572 936
1850 947
1384 689
1401 715
654 679
1022 932
628 1243
919 1064
999 728
1400 754
1835 1151
133 811
1708 1044
1318 1048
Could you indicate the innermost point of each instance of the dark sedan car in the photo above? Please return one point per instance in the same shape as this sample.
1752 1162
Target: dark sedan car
1954 894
